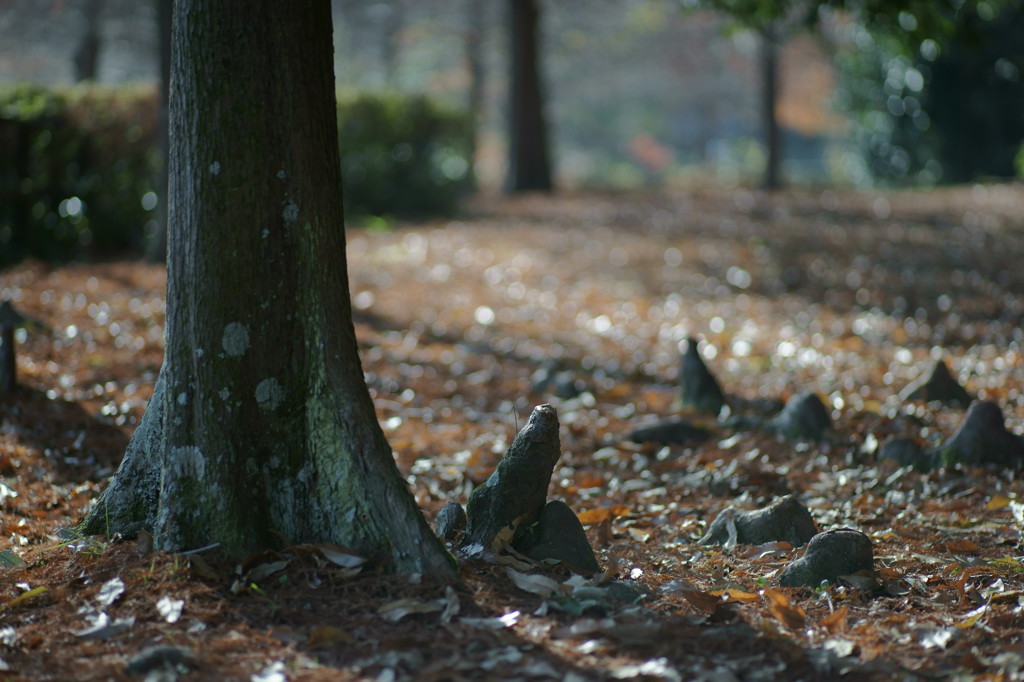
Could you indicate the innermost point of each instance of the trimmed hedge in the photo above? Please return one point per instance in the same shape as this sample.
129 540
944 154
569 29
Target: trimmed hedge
76 164
79 165
404 155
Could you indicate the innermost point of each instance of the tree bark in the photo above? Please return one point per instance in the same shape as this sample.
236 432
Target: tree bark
87 54
769 97
529 165
262 426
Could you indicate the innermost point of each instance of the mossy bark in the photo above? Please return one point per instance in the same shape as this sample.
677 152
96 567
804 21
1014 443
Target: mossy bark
515 493
265 429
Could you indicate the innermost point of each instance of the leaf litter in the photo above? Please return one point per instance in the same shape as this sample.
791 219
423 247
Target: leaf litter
585 301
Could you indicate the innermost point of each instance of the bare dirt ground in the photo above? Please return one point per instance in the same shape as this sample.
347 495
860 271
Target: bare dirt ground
849 295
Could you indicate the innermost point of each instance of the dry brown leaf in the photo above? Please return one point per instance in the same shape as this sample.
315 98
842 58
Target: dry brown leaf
962 546
790 615
997 502
327 635
591 516
589 479
201 568
835 621
395 611
735 595
639 534
704 601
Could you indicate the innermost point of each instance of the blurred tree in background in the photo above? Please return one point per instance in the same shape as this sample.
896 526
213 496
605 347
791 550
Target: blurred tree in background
637 94
774 22
529 166
933 88
936 90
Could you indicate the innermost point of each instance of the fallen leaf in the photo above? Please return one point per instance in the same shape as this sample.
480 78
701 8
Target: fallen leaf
110 591
591 516
1017 509
534 583
734 595
509 619
505 621
790 615
655 667
936 639
275 672
997 502
1007 562
639 534
327 635
589 479
768 550
962 546
341 556
104 628
261 572
704 601
169 608
154 659
25 597
10 560
397 610
840 647
861 580
835 620
201 568
974 617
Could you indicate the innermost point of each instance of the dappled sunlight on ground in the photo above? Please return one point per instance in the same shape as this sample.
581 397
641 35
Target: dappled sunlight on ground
851 296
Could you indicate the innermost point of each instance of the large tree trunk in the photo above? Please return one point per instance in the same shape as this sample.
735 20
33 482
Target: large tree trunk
769 108
261 427
529 166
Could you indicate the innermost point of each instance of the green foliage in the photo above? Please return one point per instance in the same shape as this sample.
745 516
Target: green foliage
78 163
403 154
79 166
942 108
1018 162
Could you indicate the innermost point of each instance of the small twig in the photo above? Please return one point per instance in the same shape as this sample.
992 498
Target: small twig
199 550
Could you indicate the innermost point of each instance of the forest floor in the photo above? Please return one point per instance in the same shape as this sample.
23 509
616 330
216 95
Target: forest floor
849 295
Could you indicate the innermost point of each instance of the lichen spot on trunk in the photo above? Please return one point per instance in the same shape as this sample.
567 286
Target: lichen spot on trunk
269 394
235 339
215 168
189 461
290 212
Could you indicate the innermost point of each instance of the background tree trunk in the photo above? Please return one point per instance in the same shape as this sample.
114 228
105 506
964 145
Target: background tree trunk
262 427
87 54
529 167
769 98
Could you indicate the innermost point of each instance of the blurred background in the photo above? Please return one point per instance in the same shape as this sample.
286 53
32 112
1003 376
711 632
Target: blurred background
632 94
